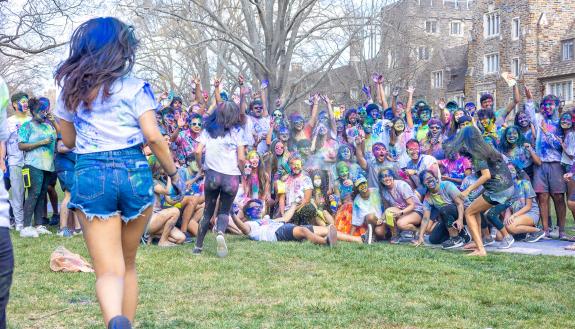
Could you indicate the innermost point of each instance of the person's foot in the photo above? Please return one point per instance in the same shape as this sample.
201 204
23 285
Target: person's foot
166 244
119 322
65 233
394 240
453 242
470 246
506 242
19 227
222 248
487 241
189 238
41 229
197 251
478 253
29 232
547 234
554 234
535 236
407 235
566 237
54 220
77 231
331 236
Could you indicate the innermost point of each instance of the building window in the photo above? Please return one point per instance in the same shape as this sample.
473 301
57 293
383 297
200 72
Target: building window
491 24
423 53
515 28
437 79
562 89
515 67
456 28
460 100
567 53
431 27
491 63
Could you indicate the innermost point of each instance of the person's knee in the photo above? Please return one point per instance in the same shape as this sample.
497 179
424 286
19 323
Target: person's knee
558 197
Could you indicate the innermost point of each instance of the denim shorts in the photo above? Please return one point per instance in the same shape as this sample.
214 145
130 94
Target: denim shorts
285 232
66 179
111 183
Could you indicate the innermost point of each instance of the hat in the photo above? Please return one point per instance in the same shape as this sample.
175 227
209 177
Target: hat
360 181
451 106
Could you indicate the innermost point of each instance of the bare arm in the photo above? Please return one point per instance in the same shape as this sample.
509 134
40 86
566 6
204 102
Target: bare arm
245 228
68 133
485 175
156 142
359 154
314 111
516 99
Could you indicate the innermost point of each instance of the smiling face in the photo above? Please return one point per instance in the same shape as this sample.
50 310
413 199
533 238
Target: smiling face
457 114
254 211
345 153
523 120
278 114
487 103
566 121
512 136
425 115
279 148
254 159
548 107
362 188
413 151
295 166
177 105
430 182
257 109
317 181
399 126
196 125
435 130
21 105
386 178
353 118
342 171
298 123
375 114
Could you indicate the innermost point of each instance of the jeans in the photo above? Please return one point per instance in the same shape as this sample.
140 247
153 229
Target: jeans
6 270
17 194
447 216
36 201
112 183
492 215
222 185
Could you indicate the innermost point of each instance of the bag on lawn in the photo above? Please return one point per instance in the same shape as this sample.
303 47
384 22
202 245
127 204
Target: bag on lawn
63 260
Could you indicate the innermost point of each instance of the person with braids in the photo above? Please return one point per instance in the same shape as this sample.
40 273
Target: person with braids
495 178
107 115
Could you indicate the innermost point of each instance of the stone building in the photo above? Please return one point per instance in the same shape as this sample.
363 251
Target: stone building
533 39
422 43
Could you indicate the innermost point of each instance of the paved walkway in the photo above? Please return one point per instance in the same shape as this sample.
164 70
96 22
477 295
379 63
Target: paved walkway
542 247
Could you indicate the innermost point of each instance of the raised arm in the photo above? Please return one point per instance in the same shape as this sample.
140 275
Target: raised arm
329 104
516 99
409 104
314 111
359 154
217 91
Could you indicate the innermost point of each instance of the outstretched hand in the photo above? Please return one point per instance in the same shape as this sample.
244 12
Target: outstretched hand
179 186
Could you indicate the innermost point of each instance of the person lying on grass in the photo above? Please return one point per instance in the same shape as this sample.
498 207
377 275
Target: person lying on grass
259 229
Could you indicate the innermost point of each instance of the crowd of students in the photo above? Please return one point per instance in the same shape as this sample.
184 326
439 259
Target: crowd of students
461 174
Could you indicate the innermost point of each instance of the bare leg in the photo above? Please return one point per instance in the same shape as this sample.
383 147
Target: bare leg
473 218
543 199
560 211
302 233
522 224
409 221
131 234
104 241
64 211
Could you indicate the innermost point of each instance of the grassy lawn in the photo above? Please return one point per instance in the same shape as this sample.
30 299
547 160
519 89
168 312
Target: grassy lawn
291 285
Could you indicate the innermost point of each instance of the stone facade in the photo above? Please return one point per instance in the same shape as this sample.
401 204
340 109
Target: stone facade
529 41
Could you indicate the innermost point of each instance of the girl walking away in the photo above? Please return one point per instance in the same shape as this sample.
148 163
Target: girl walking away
223 140
107 115
495 178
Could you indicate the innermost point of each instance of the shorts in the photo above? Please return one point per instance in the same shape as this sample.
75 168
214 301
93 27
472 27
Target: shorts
497 198
52 178
533 213
548 178
285 232
112 183
66 179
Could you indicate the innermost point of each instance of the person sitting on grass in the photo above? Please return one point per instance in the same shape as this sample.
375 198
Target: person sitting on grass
525 211
400 202
447 199
367 210
279 229
299 189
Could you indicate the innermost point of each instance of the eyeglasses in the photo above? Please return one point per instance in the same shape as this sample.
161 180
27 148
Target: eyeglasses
278 115
196 124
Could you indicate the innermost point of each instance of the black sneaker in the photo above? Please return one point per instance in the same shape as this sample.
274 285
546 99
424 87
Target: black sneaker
119 322
534 237
54 220
453 242
465 235
197 251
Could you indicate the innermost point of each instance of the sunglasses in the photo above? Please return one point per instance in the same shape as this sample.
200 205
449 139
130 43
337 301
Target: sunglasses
196 124
257 107
278 115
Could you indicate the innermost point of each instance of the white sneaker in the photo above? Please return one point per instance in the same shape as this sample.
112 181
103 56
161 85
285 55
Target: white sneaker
19 227
28 232
41 229
222 248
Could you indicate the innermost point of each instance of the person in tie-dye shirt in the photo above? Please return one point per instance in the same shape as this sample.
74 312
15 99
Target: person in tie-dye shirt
37 138
547 180
518 151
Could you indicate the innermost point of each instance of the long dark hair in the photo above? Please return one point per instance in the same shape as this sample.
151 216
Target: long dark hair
470 138
102 50
504 145
223 119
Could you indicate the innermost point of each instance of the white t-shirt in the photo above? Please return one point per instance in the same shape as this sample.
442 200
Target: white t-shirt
363 207
221 152
264 230
295 188
258 127
13 153
113 124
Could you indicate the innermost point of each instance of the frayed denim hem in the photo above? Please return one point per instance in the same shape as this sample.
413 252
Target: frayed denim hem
129 219
90 217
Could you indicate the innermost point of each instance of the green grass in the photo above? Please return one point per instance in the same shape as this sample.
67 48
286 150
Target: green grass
293 285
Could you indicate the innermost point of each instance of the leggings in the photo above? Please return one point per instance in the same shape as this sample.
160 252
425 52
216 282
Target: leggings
492 215
36 200
447 216
217 185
